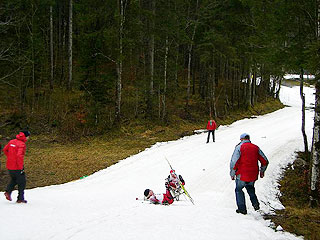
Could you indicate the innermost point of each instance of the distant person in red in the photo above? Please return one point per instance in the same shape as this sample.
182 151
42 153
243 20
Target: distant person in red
211 127
15 151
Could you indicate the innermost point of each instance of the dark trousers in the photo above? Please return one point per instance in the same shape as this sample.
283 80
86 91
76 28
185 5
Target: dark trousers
17 179
241 202
210 131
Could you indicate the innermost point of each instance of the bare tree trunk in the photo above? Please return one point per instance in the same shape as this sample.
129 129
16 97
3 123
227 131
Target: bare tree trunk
305 140
32 55
70 46
241 74
232 84
120 62
151 48
189 73
62 43
213 110
315 159
164 106
189 65
249 83
189 61
253 88
51 49
176 67
159 102
153 7
279 87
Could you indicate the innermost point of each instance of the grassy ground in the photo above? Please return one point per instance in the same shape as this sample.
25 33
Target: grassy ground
297 217
49 161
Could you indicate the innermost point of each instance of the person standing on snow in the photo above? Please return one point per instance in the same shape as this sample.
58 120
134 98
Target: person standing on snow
244 169
15 151
164 199
211 127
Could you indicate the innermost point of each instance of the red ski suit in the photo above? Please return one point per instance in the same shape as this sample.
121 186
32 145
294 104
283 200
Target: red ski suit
165 198
211 125
15 151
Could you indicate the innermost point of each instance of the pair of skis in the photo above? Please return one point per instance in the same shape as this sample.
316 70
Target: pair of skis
180 183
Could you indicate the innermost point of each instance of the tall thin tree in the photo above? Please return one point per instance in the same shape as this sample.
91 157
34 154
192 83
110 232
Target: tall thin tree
70 45
121 7
315 158
51 49
303 110
190 48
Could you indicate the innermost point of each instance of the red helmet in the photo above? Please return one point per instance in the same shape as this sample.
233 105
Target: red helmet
172 171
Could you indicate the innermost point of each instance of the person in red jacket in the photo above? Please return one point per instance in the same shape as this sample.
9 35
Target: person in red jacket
15 151
244 168
211 127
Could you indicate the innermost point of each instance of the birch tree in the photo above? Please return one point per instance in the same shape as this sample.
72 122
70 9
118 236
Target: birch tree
315 158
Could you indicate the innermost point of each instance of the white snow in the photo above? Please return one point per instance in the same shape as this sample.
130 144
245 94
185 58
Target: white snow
297 76
104 206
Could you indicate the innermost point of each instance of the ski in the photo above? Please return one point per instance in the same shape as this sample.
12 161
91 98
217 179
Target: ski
186 192
182 186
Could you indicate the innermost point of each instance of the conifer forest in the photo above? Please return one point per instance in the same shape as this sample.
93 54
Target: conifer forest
85 67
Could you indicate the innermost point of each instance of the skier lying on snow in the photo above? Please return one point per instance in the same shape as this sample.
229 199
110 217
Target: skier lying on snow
164 199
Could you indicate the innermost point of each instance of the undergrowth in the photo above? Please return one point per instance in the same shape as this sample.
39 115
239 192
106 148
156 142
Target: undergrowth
297 217
50 159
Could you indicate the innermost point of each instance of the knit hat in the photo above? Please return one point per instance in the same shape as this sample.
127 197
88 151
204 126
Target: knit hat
146 192
244 135
26 133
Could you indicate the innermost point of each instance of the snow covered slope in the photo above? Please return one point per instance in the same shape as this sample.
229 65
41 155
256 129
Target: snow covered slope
103 205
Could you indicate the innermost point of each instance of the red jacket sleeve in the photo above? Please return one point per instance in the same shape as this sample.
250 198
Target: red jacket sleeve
214 125
20 156
5 149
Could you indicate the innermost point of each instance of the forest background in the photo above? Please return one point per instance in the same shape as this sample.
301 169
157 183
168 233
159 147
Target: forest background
82 68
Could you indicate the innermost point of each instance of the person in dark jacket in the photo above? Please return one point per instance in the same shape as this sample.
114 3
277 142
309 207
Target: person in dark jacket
211 127
15 151
244 168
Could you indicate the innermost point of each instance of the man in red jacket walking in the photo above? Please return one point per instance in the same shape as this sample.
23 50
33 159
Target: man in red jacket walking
244 169
211 127
15 151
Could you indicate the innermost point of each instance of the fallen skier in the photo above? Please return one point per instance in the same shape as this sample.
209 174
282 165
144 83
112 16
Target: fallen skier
164 199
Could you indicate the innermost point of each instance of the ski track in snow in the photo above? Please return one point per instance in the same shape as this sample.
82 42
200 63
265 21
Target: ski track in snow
103 205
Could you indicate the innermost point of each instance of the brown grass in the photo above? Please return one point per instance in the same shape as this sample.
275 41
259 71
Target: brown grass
51 161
